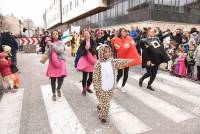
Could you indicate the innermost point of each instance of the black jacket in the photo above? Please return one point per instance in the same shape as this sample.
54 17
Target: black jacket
9 40
92 48
153 50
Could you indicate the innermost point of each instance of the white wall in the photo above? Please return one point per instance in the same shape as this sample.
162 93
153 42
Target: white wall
53 14
82 8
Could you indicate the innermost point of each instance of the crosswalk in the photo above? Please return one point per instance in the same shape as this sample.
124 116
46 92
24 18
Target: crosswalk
63 119
10 112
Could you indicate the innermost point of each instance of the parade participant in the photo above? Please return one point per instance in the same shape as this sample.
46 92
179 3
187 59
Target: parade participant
99 38
125 48
8 39
56 67
74 44
153 54
10 80
42 42
86 61
104 78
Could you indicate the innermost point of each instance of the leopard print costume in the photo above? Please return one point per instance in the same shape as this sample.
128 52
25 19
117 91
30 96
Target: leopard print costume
104 97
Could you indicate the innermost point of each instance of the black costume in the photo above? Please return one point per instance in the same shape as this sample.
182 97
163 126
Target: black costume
153 51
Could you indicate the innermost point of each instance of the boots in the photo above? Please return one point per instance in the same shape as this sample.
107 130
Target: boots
58 92
89 90
140 82
150 88
84 91
54 97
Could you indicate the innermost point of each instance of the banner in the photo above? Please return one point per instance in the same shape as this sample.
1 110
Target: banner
66 37
75 29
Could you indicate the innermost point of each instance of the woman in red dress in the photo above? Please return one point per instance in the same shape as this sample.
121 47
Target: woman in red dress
125 48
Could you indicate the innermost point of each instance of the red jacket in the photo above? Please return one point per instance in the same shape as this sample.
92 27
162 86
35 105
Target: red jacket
4 66
126 49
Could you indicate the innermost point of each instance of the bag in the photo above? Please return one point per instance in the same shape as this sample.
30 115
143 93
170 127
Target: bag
82 63
44 58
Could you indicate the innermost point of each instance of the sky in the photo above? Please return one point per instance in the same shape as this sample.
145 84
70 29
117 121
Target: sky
28 9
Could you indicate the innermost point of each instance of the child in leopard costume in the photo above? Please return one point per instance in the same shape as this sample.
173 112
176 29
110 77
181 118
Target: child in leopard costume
104 78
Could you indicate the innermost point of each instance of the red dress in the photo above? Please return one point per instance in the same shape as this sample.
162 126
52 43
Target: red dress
125 49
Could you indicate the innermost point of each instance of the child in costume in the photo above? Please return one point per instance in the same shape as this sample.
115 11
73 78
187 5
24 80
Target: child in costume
10 78
104 78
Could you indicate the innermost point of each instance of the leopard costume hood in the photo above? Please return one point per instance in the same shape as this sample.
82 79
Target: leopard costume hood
101 49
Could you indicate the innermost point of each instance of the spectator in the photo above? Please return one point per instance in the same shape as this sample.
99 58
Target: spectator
8 39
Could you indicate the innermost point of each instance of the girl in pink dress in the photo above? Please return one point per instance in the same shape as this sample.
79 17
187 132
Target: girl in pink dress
181 64
87 61
56 68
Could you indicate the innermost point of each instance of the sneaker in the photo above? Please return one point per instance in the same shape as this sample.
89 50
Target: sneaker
140 82
123 90
59 93
116 85
89 91
150 88
54 97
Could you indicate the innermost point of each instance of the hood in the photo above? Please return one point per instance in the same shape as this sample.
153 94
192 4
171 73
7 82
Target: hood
101 49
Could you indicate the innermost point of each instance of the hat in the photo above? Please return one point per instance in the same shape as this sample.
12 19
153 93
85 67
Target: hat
193 30
6 48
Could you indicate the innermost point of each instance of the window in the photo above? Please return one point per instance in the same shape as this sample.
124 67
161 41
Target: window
167 2
76 3
120 9
112 11
125 7
70 6
63 11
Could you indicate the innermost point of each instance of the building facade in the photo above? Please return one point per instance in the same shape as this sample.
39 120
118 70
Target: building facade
115 13
12 24
53 14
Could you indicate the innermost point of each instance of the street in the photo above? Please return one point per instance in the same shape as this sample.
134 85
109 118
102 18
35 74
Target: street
174 108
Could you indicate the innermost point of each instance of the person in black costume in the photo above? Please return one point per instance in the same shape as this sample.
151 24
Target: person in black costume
153 54
43 43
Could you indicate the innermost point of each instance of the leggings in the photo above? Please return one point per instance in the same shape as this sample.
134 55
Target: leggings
59 83
151 72
85 81
120 73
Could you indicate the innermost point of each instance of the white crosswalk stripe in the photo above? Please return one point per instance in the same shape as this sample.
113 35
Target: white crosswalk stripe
61 117
10 112
189 86
123 120
169 111
172 91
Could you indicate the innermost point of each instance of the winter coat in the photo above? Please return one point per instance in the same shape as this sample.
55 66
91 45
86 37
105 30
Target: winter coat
57 66
153 50
86 59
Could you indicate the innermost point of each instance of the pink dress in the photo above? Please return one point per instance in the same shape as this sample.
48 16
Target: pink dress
87 63
181 65
56 66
